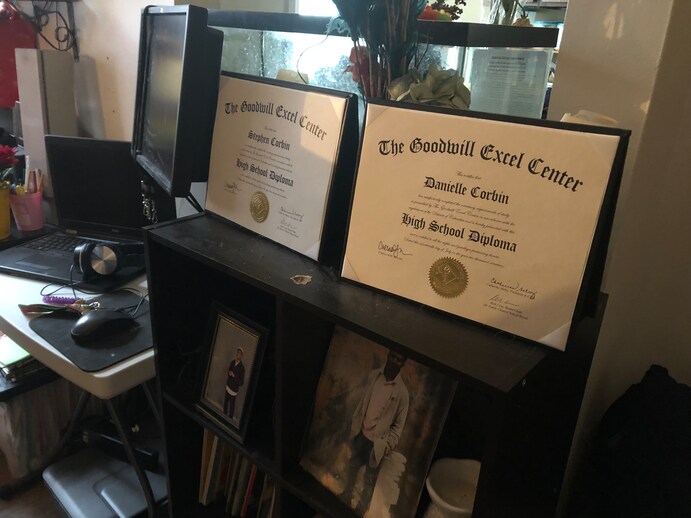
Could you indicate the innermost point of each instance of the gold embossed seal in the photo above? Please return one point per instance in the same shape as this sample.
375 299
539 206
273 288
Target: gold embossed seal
448 277
259 207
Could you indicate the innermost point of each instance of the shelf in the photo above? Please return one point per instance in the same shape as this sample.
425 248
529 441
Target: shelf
533 5
515 404
459 34
10 389
496 359
259 449
305 487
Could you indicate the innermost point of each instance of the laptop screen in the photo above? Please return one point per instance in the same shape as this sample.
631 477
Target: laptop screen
97 187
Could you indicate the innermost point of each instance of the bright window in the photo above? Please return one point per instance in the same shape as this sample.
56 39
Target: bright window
317 8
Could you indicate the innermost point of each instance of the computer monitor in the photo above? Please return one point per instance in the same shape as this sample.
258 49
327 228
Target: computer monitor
177 89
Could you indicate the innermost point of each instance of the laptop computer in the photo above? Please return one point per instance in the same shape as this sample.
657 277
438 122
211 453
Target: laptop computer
97 195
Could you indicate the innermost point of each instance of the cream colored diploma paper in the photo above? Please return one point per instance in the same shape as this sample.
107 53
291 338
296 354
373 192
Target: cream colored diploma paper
272 160
492 221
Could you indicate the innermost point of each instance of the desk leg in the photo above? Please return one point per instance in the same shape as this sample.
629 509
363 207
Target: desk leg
10 489
153 405
141 475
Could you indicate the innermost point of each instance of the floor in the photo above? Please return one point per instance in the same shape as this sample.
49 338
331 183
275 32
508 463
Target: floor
34 501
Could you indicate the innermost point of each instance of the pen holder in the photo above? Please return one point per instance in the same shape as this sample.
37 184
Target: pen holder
27 210
4 212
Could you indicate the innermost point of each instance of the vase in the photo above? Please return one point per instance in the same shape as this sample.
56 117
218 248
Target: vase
4 212
501 12
27 210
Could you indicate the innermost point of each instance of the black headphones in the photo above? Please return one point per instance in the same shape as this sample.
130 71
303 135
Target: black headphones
94 259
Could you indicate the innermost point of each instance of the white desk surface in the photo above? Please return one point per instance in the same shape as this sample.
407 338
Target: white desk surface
104 384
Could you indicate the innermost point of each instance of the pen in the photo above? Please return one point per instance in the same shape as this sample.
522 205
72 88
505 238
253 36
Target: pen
30 182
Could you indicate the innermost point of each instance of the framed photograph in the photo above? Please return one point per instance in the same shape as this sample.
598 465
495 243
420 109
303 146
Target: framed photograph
236 348
376 421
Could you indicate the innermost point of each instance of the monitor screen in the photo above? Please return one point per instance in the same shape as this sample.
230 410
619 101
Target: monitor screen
177 89
162 95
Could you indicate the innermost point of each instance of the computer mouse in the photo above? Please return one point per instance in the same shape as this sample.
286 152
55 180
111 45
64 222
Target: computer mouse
101 323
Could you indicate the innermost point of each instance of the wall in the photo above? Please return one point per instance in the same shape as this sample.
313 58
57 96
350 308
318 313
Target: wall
628 60
106 75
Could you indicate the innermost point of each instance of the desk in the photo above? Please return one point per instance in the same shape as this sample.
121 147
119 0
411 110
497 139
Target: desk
105 384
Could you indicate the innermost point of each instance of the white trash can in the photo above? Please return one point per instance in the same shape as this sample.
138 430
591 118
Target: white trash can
451 485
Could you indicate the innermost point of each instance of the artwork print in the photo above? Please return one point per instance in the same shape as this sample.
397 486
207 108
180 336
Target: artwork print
376 421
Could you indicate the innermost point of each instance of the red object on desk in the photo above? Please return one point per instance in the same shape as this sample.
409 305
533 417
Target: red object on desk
16 32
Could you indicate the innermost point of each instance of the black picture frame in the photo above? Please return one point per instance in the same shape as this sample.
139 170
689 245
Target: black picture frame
338 194
229 332
586 294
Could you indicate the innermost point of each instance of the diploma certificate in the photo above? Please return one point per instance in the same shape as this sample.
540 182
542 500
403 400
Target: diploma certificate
272 159
485 219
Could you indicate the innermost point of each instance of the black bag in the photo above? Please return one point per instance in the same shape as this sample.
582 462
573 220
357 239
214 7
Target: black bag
642 451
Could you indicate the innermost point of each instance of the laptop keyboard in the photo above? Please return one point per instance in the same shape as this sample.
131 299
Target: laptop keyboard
58 242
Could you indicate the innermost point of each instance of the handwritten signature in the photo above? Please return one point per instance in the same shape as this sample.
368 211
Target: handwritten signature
395 250
514 287
288 225
292 213
501 300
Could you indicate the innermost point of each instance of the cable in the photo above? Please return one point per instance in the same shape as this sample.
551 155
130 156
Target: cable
193 201
64 35
71 285
297 64
137 307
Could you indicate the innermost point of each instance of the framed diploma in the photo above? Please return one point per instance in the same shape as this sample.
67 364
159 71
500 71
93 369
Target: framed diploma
282 162
503 221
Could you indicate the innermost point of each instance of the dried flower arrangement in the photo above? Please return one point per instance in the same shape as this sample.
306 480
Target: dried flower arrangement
385 42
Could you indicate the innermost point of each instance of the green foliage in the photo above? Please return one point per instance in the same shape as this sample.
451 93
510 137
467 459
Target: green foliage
437 87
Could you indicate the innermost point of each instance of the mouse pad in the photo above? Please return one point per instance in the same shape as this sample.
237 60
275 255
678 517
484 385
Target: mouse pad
100 354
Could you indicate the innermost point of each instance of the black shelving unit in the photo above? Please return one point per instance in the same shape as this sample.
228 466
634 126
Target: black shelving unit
515 407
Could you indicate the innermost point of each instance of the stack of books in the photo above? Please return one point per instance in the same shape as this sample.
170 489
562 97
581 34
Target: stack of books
15 362
226 473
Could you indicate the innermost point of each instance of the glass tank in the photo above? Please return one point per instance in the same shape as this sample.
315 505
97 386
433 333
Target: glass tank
506 68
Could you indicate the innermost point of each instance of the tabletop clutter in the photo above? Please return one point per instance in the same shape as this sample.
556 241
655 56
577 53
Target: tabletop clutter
25 196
